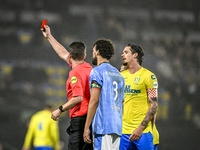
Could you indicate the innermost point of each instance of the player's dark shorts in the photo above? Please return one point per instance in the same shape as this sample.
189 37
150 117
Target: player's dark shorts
75 131
145 142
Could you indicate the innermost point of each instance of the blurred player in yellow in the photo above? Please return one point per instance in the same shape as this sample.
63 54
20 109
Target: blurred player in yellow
42 131
140 103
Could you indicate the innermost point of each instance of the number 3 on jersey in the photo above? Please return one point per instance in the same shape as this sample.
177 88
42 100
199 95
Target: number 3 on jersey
115 89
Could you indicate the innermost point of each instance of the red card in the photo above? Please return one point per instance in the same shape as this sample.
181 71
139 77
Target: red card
44 22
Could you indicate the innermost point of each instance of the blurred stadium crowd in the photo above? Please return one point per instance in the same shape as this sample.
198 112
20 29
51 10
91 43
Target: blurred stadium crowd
32 73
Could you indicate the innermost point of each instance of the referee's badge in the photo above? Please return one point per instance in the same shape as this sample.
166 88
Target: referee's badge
74 79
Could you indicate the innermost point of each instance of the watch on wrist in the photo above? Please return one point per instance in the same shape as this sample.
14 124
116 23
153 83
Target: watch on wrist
61 108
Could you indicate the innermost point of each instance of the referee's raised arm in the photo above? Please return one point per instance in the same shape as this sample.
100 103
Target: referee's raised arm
58 48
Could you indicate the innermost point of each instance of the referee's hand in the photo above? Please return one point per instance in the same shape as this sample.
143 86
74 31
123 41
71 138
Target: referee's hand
46 31
55 114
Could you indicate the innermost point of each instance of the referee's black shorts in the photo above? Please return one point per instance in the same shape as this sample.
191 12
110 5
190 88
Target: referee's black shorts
75 131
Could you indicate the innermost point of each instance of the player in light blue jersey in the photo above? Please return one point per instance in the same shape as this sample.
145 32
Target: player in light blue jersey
107 94
108 114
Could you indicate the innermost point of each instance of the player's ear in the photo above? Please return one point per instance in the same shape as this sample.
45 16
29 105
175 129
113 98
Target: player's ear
70 56
135 55
84 56
97 52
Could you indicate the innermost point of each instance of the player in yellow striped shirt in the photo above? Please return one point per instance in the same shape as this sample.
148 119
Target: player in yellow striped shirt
140 104
43 131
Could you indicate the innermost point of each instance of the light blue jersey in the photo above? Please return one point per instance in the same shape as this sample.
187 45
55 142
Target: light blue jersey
108 117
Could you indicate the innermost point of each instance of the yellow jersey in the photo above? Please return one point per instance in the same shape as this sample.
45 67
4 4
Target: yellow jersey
43 131
136 102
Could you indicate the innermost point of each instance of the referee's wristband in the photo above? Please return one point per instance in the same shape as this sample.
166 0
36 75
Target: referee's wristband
61 108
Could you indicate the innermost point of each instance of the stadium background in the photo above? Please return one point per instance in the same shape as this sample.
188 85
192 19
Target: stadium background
31 73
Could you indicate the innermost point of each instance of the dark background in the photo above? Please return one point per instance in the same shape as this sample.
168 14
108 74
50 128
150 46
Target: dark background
31 73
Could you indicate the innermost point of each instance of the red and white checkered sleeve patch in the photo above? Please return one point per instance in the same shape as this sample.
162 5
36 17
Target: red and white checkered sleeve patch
152 93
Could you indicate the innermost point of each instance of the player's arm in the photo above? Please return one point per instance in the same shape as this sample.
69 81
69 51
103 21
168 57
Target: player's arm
70 104
152 95
152 98
92 107
150 115
59 49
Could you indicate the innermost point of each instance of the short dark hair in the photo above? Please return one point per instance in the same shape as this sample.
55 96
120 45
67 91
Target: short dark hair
105 47
137 49
77 50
